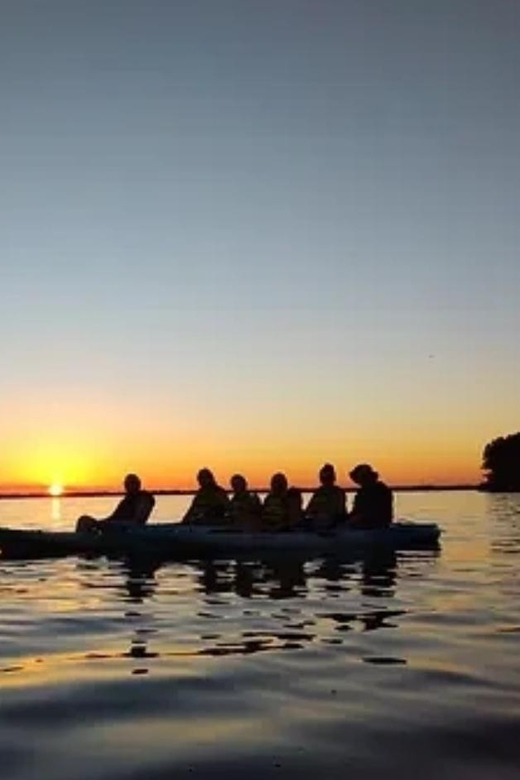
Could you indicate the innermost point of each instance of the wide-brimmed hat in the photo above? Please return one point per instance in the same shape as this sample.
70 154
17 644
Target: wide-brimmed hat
363 470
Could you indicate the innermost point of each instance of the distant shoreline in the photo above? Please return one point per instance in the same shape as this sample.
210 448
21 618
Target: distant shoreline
191 492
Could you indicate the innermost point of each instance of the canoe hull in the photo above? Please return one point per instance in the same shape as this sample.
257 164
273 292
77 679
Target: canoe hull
174 540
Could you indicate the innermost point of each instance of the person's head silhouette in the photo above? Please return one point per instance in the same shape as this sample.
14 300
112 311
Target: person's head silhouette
279 483
327 475
132 484
206 479
238 483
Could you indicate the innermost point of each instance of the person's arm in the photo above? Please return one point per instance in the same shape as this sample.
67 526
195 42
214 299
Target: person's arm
192 510
266 514
390 506
310 509
144 508
356 515
119 514
223 505
341 511
256 504
342 502
224 498
133 511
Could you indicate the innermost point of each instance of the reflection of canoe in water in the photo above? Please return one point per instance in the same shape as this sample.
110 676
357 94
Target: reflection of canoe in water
173 540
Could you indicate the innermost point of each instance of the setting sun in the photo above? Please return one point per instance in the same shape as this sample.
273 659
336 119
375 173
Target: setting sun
56 490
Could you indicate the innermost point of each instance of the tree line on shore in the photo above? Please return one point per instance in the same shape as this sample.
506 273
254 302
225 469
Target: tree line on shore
501 464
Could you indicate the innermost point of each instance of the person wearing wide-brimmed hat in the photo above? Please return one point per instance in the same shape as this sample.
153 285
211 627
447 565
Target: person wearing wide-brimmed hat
374 501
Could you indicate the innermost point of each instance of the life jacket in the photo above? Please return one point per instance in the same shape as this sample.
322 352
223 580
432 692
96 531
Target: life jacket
275 511
245 508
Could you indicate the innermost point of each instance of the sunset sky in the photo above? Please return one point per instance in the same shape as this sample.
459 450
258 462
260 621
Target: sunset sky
257 235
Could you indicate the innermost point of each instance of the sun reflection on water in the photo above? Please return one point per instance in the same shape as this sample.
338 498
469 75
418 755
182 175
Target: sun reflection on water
56 509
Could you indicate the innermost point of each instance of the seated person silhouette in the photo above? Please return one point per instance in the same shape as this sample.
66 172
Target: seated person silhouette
210 504
276 506
245 506
133 510
327 506
374 501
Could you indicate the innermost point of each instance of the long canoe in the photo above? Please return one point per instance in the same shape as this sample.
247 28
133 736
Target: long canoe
173 540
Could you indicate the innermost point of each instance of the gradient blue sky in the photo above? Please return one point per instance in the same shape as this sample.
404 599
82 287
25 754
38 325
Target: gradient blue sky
257 235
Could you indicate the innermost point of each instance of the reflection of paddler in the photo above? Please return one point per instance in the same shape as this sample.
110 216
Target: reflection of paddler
275 510
245 506
327 506
210 503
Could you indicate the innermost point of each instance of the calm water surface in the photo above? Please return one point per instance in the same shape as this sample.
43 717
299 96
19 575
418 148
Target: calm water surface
359 668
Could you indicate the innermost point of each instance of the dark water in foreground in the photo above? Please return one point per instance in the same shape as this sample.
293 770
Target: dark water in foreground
349 669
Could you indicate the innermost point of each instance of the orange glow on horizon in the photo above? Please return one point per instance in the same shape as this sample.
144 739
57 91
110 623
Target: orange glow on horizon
92 448
167 472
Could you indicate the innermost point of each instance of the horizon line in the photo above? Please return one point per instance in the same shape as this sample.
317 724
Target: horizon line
102 492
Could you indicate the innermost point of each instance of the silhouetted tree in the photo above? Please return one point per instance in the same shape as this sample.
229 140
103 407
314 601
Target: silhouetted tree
501 462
